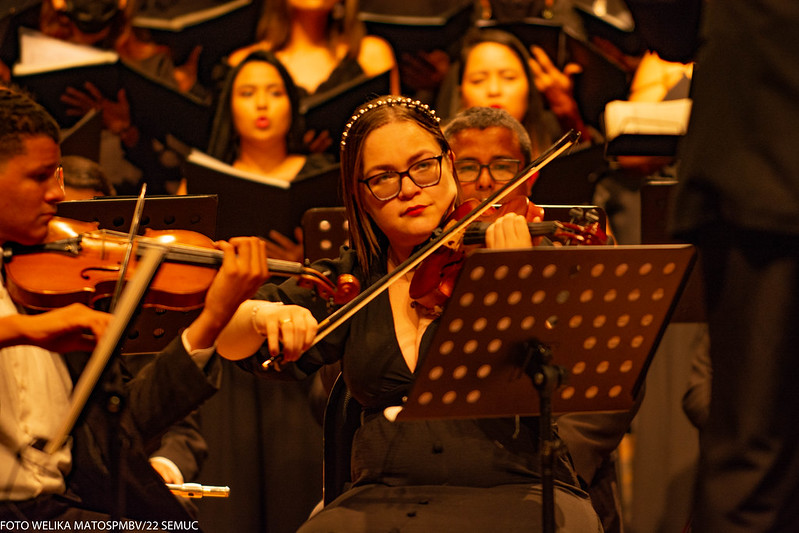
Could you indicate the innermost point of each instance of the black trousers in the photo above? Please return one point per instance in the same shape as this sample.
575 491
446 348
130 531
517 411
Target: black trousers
749 451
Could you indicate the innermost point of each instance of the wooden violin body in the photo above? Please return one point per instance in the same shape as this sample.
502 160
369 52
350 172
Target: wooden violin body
434 279
81 263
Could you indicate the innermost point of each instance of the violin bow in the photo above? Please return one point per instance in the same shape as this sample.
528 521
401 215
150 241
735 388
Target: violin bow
134 229
344 313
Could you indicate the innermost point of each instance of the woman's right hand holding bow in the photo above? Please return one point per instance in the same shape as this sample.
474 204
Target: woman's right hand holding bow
287 330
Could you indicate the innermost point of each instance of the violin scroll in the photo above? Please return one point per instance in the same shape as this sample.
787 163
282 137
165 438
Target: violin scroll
343 291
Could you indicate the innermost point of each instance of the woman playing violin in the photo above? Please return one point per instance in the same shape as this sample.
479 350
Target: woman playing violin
479 475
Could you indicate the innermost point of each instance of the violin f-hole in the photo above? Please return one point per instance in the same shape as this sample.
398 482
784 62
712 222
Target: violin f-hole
84 273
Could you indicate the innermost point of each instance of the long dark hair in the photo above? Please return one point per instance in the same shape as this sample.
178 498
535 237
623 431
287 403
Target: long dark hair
274 26
224 143
365 236
535 120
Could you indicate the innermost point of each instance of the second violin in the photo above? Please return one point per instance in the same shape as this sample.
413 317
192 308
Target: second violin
434 279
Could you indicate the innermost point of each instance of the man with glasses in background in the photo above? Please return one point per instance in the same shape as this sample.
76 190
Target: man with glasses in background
490 147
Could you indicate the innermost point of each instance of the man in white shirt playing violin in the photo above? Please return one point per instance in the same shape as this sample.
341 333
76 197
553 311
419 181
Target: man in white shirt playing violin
36 380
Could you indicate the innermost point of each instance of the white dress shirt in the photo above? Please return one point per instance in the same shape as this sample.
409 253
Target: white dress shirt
34 398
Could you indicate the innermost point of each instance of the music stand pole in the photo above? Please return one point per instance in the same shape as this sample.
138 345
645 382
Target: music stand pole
546 379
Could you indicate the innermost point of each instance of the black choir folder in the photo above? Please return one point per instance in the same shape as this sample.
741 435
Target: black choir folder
219 26
250 204
418 26
48 66
530 31
332 110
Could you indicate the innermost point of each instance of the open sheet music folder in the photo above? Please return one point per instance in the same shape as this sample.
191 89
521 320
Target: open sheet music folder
177 15
603 79
183 25
645 128
612 21
48 66
252 205
601 310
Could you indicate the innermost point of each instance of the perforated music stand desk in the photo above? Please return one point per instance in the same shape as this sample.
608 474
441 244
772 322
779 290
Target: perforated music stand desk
549 330
600 309
196 212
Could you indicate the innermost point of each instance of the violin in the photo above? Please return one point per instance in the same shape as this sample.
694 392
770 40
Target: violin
434 279
582 229
82 264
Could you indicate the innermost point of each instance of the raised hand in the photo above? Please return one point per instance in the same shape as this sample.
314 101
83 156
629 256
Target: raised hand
116 113
281 247
558 88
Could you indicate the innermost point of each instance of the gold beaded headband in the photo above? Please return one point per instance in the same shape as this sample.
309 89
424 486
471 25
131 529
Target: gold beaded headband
388 101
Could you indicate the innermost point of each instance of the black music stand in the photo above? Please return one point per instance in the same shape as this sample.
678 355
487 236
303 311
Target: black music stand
561 329
196 212
153 327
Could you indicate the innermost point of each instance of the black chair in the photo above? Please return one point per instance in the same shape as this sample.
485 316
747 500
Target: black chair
342 419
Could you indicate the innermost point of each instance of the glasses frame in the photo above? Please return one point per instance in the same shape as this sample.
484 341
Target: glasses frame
488 166
59 177
403 174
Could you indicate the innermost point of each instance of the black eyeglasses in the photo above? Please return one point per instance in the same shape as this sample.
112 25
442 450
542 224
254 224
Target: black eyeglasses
499 169
387 185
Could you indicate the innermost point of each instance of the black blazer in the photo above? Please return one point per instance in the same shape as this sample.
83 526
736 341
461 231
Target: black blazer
160 394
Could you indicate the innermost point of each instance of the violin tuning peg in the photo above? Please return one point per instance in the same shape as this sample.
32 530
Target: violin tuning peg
576 213
592 216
